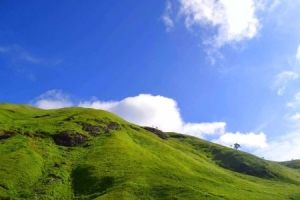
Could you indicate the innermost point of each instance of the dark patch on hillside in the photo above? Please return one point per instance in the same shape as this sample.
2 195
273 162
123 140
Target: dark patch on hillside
178 135
86 183
93 130
41 116
112 126
6 134
238 162
134 127
54 178
69 139
157 132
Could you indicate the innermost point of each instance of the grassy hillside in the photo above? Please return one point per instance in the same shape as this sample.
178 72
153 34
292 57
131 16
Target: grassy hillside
78 153
294 164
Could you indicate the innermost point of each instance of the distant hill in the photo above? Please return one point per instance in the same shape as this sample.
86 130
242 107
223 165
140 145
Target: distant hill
295 164
80 153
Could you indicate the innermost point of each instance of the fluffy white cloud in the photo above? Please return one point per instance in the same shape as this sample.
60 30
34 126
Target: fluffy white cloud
52 99
282 79
145 110
282 149
234 20
98 104
166 18
202 129
248 140
157 111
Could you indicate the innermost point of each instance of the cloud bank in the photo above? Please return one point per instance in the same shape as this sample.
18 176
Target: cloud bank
249 140
145 110
164 113
284 148
52 99
157 111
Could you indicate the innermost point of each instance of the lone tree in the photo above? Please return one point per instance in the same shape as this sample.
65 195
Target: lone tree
236 146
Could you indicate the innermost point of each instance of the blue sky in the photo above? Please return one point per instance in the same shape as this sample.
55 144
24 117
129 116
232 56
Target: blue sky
226 71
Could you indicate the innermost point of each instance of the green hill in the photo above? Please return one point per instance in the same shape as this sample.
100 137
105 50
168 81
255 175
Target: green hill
79 153
294 164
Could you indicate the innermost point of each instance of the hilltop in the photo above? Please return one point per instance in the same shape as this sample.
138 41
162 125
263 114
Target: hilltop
80 153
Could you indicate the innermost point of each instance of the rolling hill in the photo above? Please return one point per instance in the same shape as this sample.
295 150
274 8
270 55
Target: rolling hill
80 153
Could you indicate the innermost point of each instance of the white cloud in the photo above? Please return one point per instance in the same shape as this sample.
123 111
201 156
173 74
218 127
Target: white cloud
282 79
282 149
248 140
145 110
286 146
290 105
98 104
234 20
298 53
280 91
52 99
202 129
297 96
285 76
166 18
293 114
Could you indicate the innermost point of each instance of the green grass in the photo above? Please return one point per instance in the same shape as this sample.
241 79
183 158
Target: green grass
126 162
294 164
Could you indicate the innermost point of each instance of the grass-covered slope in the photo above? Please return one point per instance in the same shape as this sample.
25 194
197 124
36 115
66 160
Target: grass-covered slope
77 153
295 164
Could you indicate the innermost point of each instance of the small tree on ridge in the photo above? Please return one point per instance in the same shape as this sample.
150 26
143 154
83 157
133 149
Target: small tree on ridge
237 146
